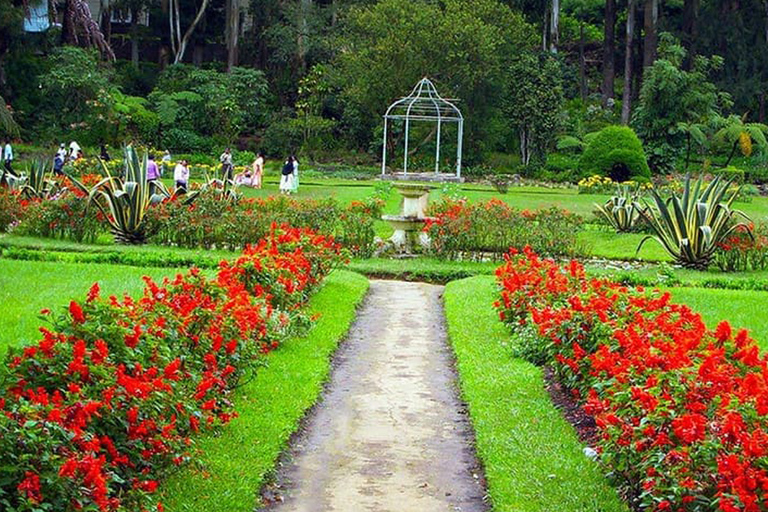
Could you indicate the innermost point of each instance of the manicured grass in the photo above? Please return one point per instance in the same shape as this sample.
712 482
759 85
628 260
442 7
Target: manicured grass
533 460
236 464
26 287
602 243
743 309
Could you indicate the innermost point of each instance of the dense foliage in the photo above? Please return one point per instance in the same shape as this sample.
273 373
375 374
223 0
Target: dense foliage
616 152
461 230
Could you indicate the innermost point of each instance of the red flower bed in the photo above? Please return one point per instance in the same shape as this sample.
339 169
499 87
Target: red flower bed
112 396
681 410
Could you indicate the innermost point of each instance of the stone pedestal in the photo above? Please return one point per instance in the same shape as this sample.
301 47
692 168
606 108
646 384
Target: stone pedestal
409 224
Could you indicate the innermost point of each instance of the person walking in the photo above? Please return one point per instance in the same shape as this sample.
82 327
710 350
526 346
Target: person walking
74 150
62 152
257 171
58 164
226 164
286 180
181 177
8 156
153 172
295 188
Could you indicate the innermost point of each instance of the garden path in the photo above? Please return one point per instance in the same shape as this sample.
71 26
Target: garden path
390 433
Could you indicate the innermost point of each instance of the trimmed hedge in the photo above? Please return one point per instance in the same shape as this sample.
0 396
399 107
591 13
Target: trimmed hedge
615 151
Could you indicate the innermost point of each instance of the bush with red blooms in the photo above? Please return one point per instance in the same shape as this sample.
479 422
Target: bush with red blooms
681 410
111 397
745 249
461 230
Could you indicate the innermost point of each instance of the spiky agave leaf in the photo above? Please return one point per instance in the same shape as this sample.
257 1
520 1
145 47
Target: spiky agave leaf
690 227
124 201
621 210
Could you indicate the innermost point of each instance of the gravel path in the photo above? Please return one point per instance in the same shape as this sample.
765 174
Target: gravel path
390 433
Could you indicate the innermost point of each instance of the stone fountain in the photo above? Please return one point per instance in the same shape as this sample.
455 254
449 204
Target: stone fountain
409 233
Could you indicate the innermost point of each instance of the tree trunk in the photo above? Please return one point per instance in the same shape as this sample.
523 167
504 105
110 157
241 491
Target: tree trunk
303 33
582 65
690 29
609 50
626 100
232 33
135 38
184 41
554 26
651 35
761 108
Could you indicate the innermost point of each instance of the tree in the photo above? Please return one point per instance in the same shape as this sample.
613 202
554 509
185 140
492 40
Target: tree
466 48
672 98
179 42
232 32
651 21
80 29
609 51
626 98
533 102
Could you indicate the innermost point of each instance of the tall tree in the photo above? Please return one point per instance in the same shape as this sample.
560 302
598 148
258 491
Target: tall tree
180 42
232 32
626 99
651 22
689 29
609 51
80 29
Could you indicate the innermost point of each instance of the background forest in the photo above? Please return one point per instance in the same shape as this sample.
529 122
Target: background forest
535 79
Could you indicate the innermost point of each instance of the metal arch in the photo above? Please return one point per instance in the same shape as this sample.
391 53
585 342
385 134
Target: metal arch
418 106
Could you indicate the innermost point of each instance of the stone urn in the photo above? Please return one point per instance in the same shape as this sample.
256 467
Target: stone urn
409 225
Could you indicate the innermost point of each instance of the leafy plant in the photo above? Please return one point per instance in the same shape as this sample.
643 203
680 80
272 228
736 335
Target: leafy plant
616 152
622 210
691 227
124 201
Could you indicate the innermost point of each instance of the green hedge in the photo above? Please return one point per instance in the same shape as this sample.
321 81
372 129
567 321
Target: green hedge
615 151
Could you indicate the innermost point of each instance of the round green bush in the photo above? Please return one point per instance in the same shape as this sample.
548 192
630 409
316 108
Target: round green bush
617 152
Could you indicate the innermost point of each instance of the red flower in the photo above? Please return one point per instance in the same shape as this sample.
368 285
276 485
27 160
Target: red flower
77 312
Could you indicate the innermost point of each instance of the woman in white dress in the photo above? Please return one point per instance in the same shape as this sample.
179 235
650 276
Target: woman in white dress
286 180
295 187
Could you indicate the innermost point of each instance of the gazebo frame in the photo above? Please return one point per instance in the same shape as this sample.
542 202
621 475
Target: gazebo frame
424 104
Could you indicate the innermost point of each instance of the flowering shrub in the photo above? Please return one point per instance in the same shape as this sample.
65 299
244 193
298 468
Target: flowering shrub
681 410
740 251
11 209
459 229
65 216
112 396
209 222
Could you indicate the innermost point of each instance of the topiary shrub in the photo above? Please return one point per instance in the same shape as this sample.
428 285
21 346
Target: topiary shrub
617 152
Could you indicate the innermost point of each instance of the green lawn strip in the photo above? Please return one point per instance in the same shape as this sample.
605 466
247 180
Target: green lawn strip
236 464
27 287
533 460
743 309
421 269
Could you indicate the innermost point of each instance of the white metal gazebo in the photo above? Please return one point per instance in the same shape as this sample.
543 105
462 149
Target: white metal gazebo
424 104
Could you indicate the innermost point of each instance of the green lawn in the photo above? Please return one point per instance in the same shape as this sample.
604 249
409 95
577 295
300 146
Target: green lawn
237 464
26 287
742 308
532 458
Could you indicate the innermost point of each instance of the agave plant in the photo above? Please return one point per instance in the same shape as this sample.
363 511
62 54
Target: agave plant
124 201
622 210
36 183
225 188
691 227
